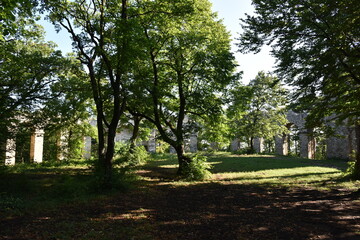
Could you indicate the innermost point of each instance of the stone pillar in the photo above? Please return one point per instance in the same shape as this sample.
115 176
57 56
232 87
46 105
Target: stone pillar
259 145
62 147
193 143
352 142
87 147
307 145
339 146
36 146
281 144
172 149
152 142
10 152
235 145
123 136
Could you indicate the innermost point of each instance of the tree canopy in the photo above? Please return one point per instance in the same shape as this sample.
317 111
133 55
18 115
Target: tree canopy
316 44
29 67
187 69
258 109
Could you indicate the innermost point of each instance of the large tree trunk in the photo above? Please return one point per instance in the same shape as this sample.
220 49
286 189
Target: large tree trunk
183 160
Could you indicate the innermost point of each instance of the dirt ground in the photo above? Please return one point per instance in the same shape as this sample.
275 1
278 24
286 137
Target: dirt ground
159 210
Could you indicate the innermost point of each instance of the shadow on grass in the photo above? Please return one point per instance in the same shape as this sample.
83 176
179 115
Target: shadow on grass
210 210
207 211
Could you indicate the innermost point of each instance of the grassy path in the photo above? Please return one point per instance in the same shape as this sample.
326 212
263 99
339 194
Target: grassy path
271 198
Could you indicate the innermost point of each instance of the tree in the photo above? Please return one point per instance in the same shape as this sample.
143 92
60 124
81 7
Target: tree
316 43
12 12
186 70
258 110
104 36
214 133
29 66
67 112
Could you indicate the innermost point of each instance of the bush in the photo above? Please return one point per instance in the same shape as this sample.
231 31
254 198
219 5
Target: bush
197 169
123 164
137 157
351 172
125 158
245 151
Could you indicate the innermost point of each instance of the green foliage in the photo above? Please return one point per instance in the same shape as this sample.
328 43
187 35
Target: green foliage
243 151
214 133
352 172
129 158
162 147
197 169
258 110
316 45
186 69
13 12
29 67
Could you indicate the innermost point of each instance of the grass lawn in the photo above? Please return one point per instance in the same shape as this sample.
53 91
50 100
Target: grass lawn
269 170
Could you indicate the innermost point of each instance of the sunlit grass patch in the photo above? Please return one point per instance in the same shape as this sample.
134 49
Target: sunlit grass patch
300 176
169 166
284 171
268 170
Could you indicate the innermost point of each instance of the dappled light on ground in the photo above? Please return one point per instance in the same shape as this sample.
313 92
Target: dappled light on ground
271 202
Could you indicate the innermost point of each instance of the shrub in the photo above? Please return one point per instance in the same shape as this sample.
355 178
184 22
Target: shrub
351 172
125 158
197 169
137 156
244 151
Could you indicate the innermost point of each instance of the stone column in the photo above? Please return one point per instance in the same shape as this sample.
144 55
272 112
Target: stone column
281 144
10 152
235 145
87 148
152 142
339 146
36 146
259 145
193 143
62 147
307 145
172 149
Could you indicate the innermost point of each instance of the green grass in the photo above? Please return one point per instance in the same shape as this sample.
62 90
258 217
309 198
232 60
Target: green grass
32 187
270 170
25 188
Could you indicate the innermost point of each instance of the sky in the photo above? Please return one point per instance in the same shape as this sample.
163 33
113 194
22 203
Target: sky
230 11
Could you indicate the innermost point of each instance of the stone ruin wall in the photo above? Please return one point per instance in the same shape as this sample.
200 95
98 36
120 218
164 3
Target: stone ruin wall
340 146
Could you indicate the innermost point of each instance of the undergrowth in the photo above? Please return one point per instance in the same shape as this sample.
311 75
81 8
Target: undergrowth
197 169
